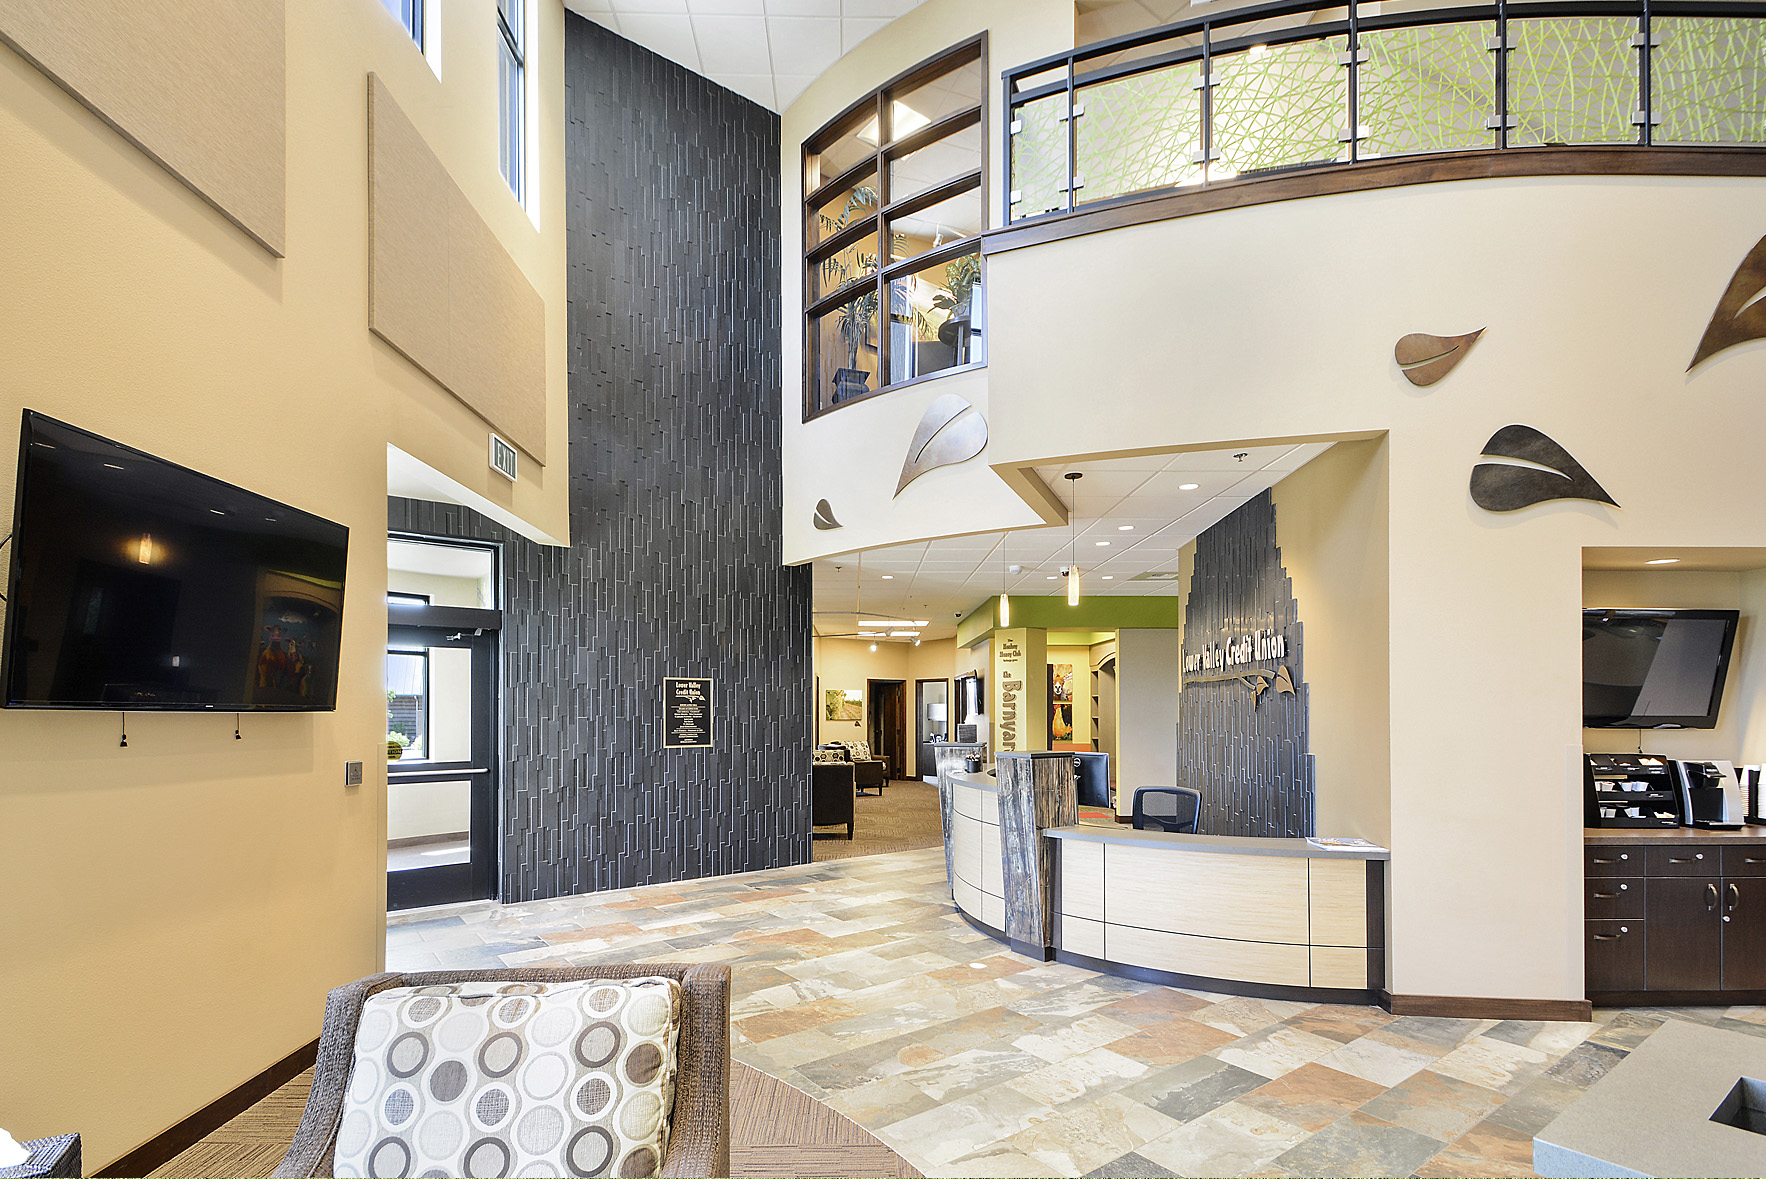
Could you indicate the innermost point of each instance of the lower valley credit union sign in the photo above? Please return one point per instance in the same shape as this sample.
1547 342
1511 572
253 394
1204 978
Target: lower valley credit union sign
686 714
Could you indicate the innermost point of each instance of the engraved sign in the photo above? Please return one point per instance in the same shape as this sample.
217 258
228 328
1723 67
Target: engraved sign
686 714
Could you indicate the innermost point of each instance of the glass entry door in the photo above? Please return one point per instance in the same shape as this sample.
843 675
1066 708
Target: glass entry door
441 772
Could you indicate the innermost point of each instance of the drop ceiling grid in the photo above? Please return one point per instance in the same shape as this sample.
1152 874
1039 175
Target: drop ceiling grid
768 51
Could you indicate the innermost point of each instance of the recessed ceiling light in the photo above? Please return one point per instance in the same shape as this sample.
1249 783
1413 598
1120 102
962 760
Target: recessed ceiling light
1664 561
1188 486
1103 544
1109 577
889 577
1052 577
1125 527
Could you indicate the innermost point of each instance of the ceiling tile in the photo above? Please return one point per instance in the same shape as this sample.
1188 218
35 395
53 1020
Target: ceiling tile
1225 459
790 87
803 7
853 30
804 41
1169 484
1299 456
886 8
727 7
733 44
756 88
671 36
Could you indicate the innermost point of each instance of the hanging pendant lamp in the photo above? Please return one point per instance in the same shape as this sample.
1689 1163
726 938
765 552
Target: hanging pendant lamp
1072 478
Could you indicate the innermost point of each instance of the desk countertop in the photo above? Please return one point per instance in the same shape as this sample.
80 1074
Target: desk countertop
979 781
1232 844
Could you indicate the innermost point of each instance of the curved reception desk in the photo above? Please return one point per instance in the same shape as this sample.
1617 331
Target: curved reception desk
1279 918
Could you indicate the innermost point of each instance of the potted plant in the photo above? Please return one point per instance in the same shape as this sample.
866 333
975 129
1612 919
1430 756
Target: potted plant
855 317
961 277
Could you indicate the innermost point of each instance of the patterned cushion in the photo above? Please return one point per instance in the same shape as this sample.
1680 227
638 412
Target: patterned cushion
830 755
489 1078
861 750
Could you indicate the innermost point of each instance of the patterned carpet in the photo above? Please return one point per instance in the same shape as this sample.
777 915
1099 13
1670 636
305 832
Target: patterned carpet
857 983
905 817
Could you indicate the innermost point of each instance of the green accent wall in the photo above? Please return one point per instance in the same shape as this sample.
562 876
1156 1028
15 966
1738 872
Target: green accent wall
1092 613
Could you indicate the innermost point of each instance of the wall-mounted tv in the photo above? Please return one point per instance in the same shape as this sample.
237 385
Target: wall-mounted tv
1654 669
139 584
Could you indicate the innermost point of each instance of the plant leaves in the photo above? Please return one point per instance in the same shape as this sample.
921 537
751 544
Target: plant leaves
948 433
1425 359
1502 487
1741 313
825 517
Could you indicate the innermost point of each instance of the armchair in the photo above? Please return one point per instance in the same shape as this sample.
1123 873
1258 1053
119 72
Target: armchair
834 793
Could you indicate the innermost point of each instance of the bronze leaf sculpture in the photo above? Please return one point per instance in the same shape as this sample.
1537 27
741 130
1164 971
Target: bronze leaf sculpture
951 431
1741 312
1504 487
825 516
1425 359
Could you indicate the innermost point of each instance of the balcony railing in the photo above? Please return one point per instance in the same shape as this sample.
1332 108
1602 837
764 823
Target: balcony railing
1288 86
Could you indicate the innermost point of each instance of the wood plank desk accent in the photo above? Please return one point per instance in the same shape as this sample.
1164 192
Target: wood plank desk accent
1278 915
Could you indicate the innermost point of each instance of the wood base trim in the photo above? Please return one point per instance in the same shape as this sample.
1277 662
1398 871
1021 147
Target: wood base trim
1473 1007
1225 986
1326 180
162 1148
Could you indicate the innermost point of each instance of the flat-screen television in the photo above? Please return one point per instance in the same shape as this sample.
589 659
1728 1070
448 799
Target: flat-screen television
1654 669
139 584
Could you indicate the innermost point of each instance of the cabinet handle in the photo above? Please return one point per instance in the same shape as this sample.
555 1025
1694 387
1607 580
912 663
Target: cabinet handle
1605 896
1711 905
1684 860
1612 937
1734 898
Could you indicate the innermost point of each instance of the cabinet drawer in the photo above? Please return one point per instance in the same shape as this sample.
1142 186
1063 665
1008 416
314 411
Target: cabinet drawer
1698 859
1615 955
1745 861
1610 860
1612 898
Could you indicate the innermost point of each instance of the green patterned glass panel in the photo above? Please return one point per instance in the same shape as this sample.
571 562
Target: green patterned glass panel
1039 157
1572 80
1280 106
1427 89
1709 80
1139 133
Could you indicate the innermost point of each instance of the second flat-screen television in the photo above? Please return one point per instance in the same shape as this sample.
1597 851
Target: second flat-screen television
140 584
1655 669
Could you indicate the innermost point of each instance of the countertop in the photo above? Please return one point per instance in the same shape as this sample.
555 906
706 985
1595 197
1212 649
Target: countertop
1644 836
1233 844
982 781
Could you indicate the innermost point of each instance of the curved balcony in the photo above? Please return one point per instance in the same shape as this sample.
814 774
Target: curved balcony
1298 99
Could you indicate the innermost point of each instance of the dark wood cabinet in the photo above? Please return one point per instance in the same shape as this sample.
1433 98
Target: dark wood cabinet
1674 918
1685 934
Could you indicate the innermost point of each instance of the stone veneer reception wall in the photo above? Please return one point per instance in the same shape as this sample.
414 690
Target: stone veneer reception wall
673 568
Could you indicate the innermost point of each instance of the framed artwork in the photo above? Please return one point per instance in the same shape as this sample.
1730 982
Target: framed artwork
1061 727
1061 682
843 704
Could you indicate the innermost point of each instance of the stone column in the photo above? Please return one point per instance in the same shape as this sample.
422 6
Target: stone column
1035 792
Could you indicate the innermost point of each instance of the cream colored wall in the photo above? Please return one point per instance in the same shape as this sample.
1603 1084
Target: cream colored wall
1737 737
1330 525
816 455
130 307
849 663
442 591
1030 705
1147 680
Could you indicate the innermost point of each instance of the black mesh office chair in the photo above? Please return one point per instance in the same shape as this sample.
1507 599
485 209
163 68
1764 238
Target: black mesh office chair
1166 808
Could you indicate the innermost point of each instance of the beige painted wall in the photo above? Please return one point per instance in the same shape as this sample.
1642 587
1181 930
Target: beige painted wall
1739 736
1147 679
816 462
1330 525
129 306
849 663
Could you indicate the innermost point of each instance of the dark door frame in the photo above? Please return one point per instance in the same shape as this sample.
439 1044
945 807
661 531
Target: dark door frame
480 630
898 753
920 742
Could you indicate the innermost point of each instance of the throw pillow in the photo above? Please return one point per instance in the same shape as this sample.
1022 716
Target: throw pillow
489 1078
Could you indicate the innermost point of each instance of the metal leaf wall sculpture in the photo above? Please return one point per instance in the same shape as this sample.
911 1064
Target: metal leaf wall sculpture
1425 359
951 431
1741 312
1504 487
825 517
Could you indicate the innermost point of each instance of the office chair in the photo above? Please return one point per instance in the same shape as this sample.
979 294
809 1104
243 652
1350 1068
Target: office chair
1167 808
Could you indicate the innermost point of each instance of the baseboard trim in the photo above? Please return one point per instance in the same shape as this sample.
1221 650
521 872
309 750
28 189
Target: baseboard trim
1473 1007
161 1149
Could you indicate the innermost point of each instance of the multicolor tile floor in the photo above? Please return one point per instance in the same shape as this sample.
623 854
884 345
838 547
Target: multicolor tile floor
857 982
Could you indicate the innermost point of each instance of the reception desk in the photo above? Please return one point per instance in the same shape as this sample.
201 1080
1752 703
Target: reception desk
1278 918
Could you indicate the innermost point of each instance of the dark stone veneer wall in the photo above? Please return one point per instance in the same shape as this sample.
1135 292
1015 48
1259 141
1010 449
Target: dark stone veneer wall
674 563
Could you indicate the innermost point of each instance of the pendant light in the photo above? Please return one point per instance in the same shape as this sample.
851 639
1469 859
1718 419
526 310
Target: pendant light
1005 609
1072 478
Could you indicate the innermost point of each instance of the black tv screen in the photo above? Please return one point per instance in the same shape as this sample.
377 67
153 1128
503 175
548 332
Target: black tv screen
139 584
1654 669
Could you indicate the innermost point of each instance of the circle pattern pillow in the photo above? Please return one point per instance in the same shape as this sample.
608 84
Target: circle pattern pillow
486 1078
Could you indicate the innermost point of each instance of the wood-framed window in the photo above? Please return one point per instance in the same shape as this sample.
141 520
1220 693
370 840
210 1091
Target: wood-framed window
895 202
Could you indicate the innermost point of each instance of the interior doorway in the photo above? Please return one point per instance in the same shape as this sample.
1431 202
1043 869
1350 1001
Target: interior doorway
886 705
932 724
441 711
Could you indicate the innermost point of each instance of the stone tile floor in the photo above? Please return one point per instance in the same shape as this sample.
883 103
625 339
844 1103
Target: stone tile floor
857 982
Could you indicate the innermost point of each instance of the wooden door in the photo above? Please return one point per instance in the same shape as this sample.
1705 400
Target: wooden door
1685 948
888 701
1744 934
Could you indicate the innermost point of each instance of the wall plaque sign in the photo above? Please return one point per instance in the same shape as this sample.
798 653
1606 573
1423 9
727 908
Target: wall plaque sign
686 714
1010 663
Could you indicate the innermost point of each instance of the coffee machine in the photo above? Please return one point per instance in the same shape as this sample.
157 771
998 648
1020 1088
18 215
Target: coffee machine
1710 794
